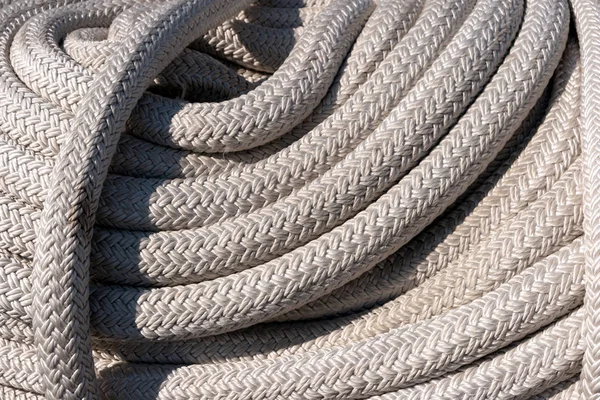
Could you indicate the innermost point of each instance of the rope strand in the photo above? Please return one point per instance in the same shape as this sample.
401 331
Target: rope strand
299 199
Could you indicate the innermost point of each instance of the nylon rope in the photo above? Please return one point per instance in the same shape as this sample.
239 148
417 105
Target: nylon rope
299 199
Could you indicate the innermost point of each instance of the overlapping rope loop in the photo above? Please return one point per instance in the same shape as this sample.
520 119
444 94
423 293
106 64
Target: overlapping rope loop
299 199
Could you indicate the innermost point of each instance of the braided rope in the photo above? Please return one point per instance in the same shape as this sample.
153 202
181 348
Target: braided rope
299 199
589 13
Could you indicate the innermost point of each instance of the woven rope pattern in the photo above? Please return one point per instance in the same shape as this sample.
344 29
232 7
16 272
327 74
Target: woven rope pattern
299 199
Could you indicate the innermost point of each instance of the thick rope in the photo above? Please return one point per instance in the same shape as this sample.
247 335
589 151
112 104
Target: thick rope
299 199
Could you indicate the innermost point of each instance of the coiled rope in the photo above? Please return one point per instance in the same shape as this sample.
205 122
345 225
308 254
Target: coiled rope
299 199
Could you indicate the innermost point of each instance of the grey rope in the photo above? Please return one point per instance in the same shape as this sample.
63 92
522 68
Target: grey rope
299 199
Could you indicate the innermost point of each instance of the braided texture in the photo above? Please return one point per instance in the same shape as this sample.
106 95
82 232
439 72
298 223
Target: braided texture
299 199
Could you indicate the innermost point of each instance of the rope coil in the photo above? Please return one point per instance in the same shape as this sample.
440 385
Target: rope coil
299 199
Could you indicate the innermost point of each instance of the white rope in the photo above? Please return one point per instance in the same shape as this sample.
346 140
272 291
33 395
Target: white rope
299 199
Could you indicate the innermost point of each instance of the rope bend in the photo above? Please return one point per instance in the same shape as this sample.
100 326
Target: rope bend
298 199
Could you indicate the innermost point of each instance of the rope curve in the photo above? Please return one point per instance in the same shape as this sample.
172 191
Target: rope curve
299 199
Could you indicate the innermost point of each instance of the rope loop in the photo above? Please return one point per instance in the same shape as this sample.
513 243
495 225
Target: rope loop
299 199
